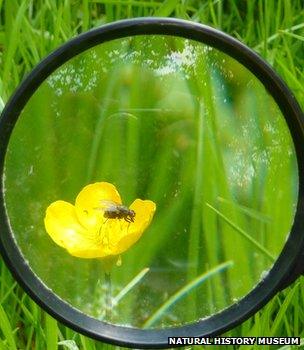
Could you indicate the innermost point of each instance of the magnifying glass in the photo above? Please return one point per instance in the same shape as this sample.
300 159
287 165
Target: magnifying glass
151 182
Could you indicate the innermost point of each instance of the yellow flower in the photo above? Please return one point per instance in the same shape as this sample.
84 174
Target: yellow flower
84 230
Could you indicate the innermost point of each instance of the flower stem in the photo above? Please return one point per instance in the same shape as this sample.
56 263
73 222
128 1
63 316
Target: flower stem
108 296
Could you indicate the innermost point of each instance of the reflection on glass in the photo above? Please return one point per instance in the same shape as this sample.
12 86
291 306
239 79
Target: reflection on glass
176 122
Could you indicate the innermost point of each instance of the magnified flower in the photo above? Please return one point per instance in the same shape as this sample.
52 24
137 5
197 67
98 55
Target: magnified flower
98 226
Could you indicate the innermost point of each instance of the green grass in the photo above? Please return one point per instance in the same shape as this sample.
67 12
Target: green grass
208 202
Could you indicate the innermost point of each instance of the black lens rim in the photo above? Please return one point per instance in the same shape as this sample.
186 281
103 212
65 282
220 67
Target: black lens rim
235 314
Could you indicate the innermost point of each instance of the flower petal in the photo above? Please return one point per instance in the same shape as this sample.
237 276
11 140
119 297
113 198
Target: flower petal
88 203
62 225
144 212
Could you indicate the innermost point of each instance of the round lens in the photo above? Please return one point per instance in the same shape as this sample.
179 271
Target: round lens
151 182
164 119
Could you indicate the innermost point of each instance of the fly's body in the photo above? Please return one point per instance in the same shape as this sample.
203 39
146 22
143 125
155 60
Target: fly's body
112 210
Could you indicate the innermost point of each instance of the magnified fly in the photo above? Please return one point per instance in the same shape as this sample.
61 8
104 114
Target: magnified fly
113 210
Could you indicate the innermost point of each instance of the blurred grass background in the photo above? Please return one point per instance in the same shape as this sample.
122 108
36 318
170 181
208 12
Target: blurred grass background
30 30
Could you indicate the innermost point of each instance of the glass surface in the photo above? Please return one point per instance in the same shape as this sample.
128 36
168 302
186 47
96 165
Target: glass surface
176 122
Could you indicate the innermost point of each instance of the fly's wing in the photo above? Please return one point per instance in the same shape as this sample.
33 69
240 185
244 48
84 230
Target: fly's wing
107 205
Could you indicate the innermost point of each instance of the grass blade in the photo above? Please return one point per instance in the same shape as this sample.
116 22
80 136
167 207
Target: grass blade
51 333
7 330
244 234
166 8
130 285
282 311
246 210
184 291
14 40
69 344
290 347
